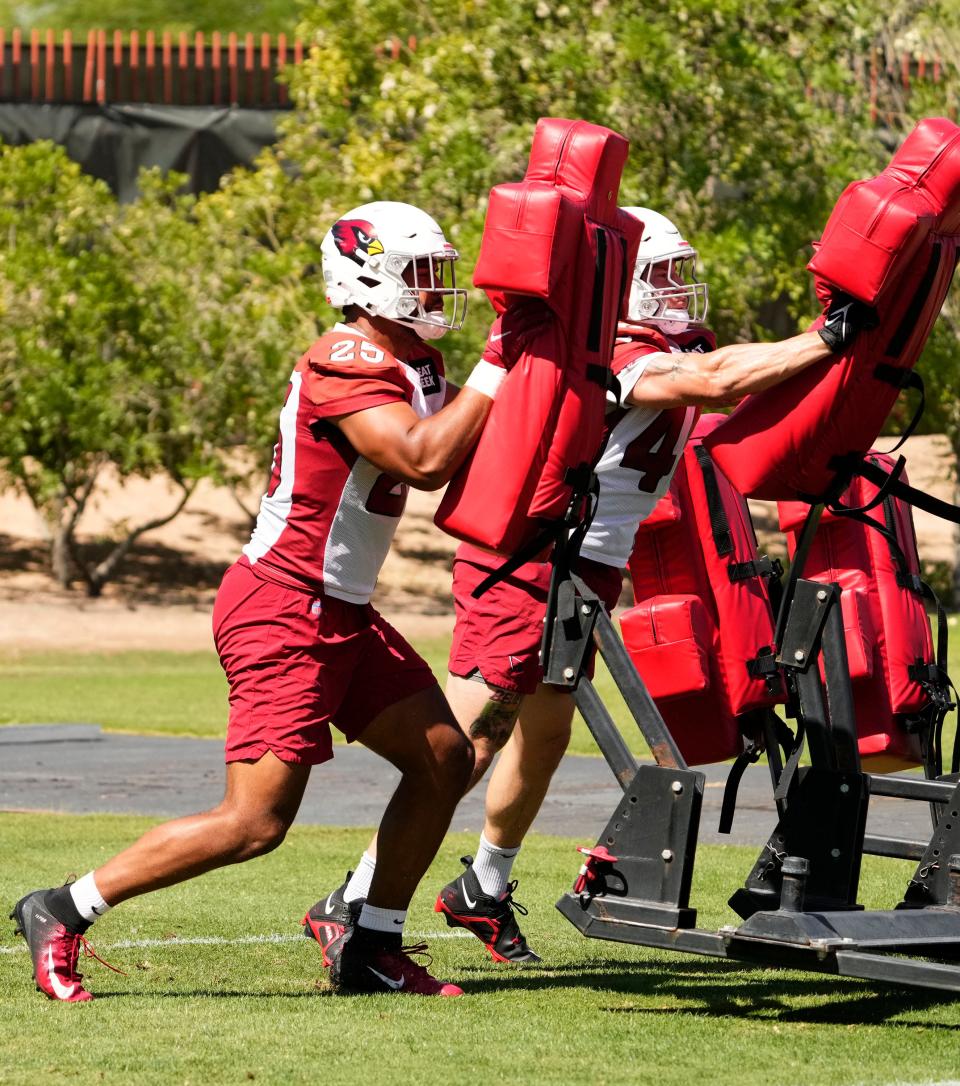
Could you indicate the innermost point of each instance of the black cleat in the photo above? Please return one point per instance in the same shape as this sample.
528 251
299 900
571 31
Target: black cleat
331 922
490 919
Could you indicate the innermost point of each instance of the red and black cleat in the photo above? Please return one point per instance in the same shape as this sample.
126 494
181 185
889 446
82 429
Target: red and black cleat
490 919
331 922
364 968
54 949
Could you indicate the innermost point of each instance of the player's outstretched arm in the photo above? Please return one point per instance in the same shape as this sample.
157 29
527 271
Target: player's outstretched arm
421 452
729 373
725 375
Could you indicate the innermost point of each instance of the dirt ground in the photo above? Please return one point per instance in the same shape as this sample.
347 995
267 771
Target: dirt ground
164 594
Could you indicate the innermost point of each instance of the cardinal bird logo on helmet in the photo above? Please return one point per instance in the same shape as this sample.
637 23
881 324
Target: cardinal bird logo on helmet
356 239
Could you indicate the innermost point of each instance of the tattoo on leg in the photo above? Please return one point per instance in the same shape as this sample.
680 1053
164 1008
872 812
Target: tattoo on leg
496 719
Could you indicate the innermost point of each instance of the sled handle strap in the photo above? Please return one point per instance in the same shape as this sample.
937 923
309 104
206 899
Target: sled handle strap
749 755
910 494
901 379
719 525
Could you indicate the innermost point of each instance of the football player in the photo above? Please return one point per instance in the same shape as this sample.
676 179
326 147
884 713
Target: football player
667 368
368 413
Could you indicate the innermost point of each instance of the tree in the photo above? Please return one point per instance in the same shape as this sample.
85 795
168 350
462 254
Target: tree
136 337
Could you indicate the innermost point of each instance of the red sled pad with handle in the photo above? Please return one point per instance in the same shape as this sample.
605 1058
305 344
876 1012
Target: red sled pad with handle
893 666
557 236
701 633
891 242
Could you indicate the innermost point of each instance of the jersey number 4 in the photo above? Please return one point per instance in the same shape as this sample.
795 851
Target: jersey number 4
652 452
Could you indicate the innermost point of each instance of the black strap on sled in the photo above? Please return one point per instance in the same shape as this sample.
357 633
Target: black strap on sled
777 731
577 519
761 566
792 763
889 482
719 525
748 756
902 379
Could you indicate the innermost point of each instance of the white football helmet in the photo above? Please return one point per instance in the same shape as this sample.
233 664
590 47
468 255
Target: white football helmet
386 257
665 291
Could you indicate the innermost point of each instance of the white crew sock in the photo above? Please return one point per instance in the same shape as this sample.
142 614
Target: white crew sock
386 920
359 884
90 905
493 865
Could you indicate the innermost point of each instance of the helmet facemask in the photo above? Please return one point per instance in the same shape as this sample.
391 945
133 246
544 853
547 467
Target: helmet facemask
431 279
666 292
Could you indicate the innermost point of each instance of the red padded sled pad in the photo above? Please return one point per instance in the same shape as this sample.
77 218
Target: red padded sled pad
559 236
891 241
885 621
696 628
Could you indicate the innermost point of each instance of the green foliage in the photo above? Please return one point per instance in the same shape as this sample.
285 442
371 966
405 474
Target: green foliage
713 97
158 337
268 16
152 337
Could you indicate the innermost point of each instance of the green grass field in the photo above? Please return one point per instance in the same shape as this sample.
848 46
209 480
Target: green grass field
185 693
171 693
221 988
595 1012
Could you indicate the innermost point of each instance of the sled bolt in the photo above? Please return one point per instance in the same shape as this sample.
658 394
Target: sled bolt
568 672
677 787
799 656
666 855
585 609
822 595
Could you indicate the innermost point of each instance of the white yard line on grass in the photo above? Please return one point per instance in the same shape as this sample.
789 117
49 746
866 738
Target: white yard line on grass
216 940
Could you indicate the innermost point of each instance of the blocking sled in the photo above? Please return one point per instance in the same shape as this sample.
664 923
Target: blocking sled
557 236
891 242
855 624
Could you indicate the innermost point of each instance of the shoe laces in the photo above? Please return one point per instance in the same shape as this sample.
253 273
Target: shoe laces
507 898
421 950
89 952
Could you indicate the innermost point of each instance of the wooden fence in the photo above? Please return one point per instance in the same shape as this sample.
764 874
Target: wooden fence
233 69
181 69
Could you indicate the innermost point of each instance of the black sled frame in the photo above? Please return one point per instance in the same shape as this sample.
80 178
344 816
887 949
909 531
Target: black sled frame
798 905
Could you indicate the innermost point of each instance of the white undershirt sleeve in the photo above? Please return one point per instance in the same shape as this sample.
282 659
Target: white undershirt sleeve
633 371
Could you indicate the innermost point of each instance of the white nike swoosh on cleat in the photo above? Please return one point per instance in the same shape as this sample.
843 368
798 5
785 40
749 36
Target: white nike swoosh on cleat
466 896
62 990
388 981
326 907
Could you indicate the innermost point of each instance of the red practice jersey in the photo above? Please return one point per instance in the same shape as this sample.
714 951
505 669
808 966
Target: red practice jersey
642 447
329 515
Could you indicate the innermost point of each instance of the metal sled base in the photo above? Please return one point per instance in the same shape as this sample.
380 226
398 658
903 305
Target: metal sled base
799 902
826 951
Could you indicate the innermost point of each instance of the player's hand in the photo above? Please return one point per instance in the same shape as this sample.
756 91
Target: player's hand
846 318
511 332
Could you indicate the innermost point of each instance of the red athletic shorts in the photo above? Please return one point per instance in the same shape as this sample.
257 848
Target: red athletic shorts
297 663
499 634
